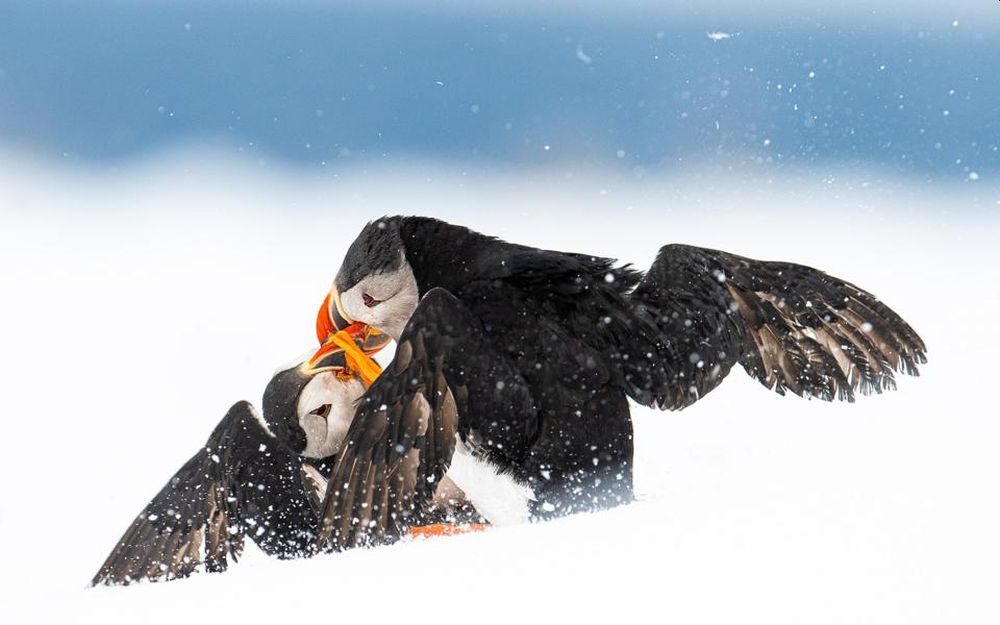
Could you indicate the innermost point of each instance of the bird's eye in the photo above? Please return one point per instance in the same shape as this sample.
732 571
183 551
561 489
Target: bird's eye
323 411
370 301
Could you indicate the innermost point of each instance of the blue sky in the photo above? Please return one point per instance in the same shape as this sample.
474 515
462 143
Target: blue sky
899 87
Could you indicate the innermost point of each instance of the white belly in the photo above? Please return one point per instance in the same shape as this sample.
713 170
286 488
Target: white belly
497 496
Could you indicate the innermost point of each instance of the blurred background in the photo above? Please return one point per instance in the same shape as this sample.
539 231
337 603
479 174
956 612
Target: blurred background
641 88
179 181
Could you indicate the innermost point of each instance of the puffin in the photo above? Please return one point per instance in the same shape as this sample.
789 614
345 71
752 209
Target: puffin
525 359
263 477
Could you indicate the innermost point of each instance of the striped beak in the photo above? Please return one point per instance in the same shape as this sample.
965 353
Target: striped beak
331 317
337 331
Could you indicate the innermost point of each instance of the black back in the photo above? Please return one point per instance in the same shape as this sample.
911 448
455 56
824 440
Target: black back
562 320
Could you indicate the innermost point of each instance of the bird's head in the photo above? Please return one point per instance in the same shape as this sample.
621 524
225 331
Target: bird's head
309 406
374 289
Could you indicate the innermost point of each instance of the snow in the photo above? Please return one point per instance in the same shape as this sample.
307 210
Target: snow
139 304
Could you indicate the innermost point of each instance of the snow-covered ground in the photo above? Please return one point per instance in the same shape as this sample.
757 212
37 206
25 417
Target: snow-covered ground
139 304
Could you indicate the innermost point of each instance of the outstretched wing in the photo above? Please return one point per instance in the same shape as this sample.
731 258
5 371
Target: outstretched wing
446 379
199 519
791 327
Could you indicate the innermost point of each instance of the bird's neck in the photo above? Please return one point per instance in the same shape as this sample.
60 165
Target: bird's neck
446 256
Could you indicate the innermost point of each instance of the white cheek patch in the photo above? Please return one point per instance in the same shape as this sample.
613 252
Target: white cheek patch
399 297
324 436
497 496
352 300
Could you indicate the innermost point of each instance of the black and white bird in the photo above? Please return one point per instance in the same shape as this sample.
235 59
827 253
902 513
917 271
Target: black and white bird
255 477
523 360
262 478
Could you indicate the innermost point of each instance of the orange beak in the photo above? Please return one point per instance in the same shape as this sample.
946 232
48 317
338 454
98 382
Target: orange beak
331 317
324 324
336 331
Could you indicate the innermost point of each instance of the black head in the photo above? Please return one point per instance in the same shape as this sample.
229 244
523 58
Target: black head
393 262
375 286
377 249
309 407
280 404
